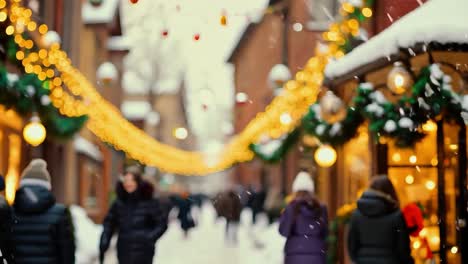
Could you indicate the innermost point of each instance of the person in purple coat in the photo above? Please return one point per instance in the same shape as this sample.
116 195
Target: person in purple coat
304 223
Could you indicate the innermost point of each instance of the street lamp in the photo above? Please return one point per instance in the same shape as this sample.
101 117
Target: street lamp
399 79
325 156
34 132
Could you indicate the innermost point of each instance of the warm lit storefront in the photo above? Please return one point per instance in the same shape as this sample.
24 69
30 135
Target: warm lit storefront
11 125
406 100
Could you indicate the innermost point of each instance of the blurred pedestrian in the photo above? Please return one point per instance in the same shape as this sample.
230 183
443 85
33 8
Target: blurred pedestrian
228 205
5 225
184 205
274 204
139 219
42 230
304 223
256 201
378 232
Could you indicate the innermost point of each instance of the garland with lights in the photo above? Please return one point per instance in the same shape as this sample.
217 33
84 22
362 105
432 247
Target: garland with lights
342 37
430 97
27 94
74 95
273 150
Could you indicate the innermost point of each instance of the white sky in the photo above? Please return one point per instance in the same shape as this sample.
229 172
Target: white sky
163 63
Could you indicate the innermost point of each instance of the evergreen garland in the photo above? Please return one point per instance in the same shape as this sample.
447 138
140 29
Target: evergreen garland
27 94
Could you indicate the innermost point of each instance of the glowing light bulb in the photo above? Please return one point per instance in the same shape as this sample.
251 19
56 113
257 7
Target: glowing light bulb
325 156
180 133
285 119
34 132
430 185
396 157
413 159
409 179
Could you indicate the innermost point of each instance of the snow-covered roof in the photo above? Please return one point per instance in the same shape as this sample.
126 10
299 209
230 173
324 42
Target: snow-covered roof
442 21
134 110
86 147
103 13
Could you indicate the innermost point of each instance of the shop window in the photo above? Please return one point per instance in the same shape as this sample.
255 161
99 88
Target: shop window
415 176
356 170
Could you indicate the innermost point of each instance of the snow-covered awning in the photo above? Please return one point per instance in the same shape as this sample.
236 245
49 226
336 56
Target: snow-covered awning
135 110
87 148
441 21
103 13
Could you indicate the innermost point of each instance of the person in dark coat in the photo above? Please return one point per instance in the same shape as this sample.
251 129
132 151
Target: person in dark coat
378 232
304 223
42 230
5 225
138 218
256 202
184 205
228 205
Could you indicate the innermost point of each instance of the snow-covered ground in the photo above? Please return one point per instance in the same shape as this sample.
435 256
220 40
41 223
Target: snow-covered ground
205 243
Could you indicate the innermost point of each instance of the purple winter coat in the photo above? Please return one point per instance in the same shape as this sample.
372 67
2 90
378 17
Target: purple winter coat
306 233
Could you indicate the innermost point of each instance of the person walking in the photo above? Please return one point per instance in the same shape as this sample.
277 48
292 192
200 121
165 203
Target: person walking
139 218
5 225
378 232
42 230
228 205
304 223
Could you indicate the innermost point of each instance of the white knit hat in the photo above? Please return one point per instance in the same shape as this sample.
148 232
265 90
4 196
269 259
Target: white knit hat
303 182
36 174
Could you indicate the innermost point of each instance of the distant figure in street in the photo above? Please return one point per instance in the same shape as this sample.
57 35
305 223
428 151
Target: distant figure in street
256 201
5 225
304 223
139 219
378 232
228 205
184 204
42 230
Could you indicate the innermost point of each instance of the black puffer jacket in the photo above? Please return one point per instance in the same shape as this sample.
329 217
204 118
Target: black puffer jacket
42 231
140 221
378 233
5 222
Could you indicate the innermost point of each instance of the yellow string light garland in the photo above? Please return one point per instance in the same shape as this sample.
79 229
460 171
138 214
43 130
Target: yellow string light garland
73 94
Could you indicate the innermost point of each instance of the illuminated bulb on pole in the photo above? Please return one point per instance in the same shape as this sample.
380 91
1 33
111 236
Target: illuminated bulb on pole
325 156
34 132
399 79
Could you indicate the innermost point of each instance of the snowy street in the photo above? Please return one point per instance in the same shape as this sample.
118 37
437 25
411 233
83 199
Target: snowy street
206 244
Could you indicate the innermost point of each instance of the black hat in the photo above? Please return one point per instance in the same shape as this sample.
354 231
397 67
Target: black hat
2 183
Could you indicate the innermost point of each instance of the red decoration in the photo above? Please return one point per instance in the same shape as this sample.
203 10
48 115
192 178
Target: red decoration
165 33
133 1
414 219
196 37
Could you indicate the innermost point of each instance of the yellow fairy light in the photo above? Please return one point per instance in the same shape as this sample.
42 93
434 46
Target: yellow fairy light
413 159
367 12
3 16
20 55
353 24
348 7
43 29
430 185
409 179
29 44
42 54
34 132
10 30
2 3
32 26
50 73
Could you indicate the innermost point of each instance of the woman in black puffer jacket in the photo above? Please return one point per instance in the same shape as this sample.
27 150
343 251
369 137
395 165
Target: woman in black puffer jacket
378 232
139 219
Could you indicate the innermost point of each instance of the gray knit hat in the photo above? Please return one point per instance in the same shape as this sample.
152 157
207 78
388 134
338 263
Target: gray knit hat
36 174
